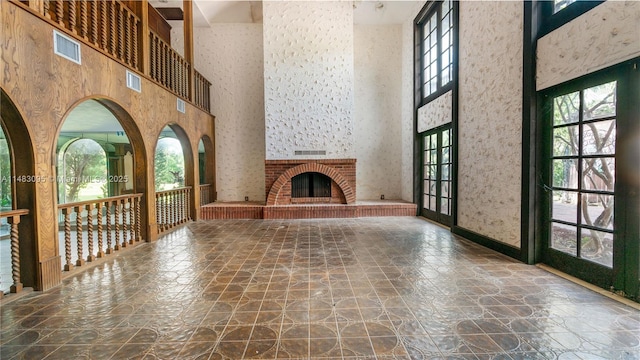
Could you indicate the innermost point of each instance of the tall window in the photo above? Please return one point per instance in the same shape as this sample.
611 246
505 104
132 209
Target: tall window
561 4
437 47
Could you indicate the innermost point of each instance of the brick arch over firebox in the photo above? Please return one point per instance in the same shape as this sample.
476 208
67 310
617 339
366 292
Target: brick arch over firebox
332 173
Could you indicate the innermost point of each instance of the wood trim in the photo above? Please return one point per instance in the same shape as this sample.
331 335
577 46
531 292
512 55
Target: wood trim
485 241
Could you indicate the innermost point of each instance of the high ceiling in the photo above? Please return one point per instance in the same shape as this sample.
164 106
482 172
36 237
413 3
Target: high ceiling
207 12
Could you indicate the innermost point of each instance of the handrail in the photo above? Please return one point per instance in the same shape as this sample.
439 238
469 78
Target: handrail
163 192
13 218
87 202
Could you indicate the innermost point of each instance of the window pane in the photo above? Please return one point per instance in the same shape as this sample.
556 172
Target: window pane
600 101
444 206
565 206
432 203
445 172
565 141
445 155
599 211
564 238
599 138
565 173
599 174
597 246
561 4
566 108
444 189
446 76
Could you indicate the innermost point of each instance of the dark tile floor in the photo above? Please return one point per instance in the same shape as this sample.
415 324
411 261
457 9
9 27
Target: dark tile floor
355 288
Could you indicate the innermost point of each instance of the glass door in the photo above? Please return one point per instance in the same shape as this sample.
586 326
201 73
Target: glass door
586 180
436 175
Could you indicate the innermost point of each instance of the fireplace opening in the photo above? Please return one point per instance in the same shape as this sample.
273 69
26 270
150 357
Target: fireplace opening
311 184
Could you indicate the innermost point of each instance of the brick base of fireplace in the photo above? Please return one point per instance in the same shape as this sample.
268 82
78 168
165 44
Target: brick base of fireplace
278 175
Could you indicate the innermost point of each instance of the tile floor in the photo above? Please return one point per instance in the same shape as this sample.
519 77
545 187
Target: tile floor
385 288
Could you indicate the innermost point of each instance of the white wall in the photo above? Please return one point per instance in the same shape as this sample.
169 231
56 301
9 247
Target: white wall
408 131
377 89
490 119
606 35
436 113
230 56
308 78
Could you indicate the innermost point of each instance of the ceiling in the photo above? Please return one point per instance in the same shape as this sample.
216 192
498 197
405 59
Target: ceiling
207 12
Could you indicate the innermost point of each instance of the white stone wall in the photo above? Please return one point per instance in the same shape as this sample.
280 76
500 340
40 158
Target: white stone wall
436 113
407 127
606 35
230 56
308 78
490 119
378 135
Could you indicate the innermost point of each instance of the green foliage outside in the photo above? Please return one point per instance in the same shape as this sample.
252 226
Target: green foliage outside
84 167
169 164
5 174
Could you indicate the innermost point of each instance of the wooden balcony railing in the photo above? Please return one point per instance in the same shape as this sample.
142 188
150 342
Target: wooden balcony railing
173 207
167 66
13 219
114 29
117 218
205 194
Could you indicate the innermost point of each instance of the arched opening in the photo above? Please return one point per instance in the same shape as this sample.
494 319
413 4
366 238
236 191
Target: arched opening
173 178
206 167
101 181
17 202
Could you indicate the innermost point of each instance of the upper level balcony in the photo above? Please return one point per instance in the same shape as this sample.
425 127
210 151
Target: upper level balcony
132 33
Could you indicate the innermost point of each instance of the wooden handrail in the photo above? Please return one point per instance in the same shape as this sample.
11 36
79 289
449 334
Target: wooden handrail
164 192
12 213
88 202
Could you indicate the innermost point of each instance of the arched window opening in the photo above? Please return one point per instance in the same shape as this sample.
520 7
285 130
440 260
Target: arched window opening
169 161
6 194
84 171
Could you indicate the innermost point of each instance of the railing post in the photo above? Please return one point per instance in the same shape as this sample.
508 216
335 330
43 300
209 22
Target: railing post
100 243
144 40
84 24
125 231
15 254
71 6
60 12
79 236
117 225
138 218
90 256
67 239
109 248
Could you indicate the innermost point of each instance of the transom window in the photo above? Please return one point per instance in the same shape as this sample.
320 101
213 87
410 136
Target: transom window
437 47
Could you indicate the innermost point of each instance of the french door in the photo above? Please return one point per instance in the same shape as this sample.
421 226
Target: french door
591 176
436 174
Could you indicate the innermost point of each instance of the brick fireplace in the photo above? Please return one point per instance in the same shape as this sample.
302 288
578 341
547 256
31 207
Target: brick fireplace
278 175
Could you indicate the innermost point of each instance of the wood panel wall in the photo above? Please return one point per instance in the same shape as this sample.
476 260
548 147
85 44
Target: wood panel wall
45 87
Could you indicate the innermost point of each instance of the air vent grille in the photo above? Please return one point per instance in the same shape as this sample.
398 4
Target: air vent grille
181 106
66 47
134 82
310 152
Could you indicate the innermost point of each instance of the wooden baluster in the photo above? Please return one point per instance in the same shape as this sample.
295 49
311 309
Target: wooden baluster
152 59
189 204
67 239
121 43
94 22
127 37
100 236
60 12
185 214
138 218
79 237
165 66
125 230
158 212
84 23
135 42
132 232
180 204
113 30
71 5
109 248
46 7
15 253
165 212
89 208
117 226
104 20
172 209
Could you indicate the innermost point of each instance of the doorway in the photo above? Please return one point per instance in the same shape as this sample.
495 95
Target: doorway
436 174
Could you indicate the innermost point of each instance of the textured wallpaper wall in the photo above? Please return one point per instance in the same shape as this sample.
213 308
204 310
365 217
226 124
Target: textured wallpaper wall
230 56
407 127
437 112
606 35
490 119
378 134
308 78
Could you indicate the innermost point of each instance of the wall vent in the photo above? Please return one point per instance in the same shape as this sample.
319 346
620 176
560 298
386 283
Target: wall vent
310 152
134 82
66 47
181 106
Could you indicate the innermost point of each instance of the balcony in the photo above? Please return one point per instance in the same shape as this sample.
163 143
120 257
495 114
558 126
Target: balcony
128 32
